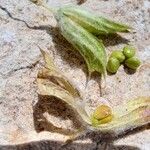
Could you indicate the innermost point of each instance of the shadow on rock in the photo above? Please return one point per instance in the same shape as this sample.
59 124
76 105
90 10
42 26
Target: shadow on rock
113 39
129 71
56 145
79 2
48 106
98 141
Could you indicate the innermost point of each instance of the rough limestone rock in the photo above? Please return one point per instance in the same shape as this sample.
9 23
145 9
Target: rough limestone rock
26 120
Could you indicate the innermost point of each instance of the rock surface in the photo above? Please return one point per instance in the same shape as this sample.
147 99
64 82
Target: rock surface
23 115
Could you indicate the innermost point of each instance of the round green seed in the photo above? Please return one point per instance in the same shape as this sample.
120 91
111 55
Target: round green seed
113 65
133 63
128 51
119 55
102 114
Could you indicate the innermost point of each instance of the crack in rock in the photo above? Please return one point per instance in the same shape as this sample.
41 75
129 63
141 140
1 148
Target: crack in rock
31 66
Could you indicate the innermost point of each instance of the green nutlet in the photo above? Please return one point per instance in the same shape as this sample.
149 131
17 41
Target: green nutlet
113 65
119 55
133 63
128 51
102 115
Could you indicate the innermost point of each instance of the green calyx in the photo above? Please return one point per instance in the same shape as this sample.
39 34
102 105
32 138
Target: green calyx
93 23
92 50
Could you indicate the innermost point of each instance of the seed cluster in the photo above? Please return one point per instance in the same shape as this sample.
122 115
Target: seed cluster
125 57
80 28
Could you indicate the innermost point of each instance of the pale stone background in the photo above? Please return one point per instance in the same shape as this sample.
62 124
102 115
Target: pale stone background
23 26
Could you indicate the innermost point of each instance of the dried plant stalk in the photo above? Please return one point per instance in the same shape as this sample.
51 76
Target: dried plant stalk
117 120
